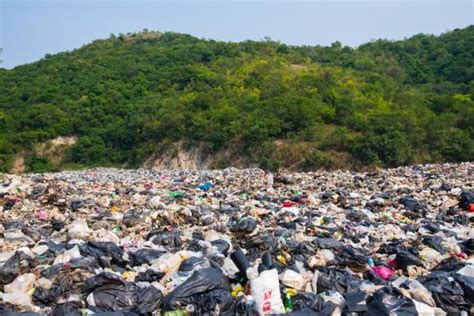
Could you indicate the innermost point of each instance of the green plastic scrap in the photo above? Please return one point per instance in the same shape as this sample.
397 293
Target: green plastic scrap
175 194
288 304
176 313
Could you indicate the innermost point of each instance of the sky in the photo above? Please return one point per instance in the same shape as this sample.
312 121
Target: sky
29 29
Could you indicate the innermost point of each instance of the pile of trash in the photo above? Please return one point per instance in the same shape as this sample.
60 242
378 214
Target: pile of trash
225 242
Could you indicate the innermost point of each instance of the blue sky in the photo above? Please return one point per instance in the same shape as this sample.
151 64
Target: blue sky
29 29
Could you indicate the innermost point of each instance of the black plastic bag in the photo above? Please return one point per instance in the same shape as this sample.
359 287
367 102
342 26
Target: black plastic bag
72 308
392 247
206 287
356 302
405 258
434 242
389 301
285 179
338 280
313 302
8 206
38 190
327 243
463 219
468 246
76 204
149 275
304 250
375 278
450 264
257 244
54 247
412 204
13 224
145 255
34 232
432 227
11 313
57 224
228 208
221 245
300 198
351 256
43 297
303 312
245 225
132 218
356 216
116 313
10 269
414 208
191 263
238 306
466 198
292 225
193 245
87 250
52 270
446 291
208 302
171 239
110 249
63 284
467 285
85 263
102 279
109 292
149 300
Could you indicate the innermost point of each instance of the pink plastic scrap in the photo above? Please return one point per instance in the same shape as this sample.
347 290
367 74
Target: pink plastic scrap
42 215
383 272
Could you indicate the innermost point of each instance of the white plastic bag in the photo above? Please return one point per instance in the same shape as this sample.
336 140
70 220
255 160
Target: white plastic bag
22 284
292 279
78 230
266 291
72 253
424 309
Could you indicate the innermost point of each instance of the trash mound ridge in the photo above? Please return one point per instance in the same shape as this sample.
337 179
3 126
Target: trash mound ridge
238 241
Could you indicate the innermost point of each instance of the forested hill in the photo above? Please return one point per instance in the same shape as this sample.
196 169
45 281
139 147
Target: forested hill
130 97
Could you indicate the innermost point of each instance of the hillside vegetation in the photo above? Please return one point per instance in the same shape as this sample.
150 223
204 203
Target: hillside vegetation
128 97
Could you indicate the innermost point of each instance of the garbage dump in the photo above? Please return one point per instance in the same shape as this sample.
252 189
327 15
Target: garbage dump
225 242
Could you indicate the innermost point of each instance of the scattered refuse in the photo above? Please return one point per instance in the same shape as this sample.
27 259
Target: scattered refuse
225 242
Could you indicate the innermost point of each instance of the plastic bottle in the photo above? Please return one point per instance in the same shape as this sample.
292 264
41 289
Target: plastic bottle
238 257
288 303
370 262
